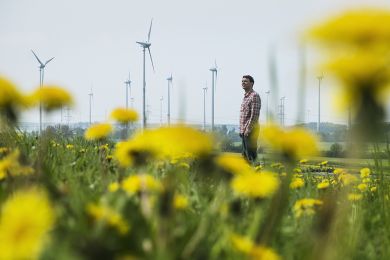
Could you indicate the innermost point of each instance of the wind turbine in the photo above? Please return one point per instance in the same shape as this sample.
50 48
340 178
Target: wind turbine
145 45
41 74
214 70
204 107
128 89
169 99
90 106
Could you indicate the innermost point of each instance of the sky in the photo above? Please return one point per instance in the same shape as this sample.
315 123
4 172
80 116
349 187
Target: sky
94 45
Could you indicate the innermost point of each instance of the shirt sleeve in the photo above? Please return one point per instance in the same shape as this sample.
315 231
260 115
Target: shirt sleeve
255 112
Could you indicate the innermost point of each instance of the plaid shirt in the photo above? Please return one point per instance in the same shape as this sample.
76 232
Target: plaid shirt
250 111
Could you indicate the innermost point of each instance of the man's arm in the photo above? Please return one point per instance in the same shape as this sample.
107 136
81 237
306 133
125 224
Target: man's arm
255 113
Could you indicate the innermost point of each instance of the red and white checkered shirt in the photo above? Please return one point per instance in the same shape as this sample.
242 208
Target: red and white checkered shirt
250 111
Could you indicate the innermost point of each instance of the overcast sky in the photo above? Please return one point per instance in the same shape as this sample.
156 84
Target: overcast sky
94 45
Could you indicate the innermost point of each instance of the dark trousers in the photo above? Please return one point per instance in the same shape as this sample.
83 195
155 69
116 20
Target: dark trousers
249 146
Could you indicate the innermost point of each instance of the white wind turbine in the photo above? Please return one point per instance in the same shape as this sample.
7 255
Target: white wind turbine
41 75
214 71
145 45
169 99
90 106
128 91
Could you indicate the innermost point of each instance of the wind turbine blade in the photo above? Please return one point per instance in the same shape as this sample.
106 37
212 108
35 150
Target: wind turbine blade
48 61
151 59
37 58
150 29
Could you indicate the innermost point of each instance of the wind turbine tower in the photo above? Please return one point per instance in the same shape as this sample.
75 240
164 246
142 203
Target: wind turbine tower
169 99
145 45
128 91
90 106
41 75
204 108
214 72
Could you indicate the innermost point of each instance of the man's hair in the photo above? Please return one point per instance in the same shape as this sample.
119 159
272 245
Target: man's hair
249 77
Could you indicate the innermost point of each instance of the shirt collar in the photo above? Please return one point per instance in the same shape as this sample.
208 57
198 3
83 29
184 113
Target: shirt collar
248 93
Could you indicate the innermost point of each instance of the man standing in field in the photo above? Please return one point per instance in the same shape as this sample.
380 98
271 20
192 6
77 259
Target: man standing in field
249 119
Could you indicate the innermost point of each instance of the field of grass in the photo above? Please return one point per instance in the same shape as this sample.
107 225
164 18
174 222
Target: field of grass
211 206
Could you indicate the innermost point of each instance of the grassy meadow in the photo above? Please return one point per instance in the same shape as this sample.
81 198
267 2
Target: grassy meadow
171 193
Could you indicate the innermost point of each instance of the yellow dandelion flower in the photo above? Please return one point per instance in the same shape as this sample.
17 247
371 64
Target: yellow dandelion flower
303 161
262 252
180 201
323 185
166 142
51 97
9 94
347 179
365 173
362 187
109 216
69 146
297 183
373 189
354 196
26 220
248 247
124 115
295 142
140 182
255 185
306 207
113 187
338 171
366 180
98 131
9 165
373 28
233 163
242 244
323 163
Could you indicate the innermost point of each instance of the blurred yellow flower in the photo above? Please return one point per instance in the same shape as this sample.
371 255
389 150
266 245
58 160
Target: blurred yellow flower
233 163
297 183
338 171
140 182
51 97
373 189
373 29
109 216
347 178
242 244
98 131
9 165
69 146
362 187
9 94
323 163
303 161
26 220
323 185
180 201
247 246
354 196
124 115
295 142
365 173
166 142
113 187
255 185
306 207
263 253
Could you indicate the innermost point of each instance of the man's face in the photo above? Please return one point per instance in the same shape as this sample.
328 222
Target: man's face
246 84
